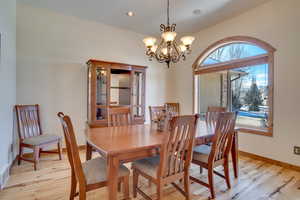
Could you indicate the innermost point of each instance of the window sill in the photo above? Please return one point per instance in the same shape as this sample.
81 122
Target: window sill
254 130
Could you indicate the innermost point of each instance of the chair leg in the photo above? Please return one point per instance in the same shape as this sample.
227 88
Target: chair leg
119 186
73 186
187 186
159 191
40 152
36 156
82 195
201 170
211 182
20 154
59 150
226 171
135 182
126 186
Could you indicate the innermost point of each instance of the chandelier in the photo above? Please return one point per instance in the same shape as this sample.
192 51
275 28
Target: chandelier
168 50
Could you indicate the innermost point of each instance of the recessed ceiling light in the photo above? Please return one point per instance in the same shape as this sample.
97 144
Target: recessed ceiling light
130 14
197 12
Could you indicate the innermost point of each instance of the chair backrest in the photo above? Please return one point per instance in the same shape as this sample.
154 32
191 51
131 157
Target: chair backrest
176 152
173 107
155 112
223 137
72 148
119 116
212 116
28 120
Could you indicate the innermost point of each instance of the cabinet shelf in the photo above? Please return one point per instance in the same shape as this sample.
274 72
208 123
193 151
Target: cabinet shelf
120 87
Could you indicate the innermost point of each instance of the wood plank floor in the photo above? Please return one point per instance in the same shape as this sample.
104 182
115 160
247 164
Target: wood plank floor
258 181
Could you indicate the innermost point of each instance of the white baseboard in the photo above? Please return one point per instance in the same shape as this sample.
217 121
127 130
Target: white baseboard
4 175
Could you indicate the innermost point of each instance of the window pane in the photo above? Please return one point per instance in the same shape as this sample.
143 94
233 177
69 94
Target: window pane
250 95
233 52
243 90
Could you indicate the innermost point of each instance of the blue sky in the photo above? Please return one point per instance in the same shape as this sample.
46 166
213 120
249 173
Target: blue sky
259 71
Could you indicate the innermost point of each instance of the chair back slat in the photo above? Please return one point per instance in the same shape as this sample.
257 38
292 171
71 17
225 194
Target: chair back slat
223 137
155 112
173 108
28 121
72 148
176 152
212 116
119 116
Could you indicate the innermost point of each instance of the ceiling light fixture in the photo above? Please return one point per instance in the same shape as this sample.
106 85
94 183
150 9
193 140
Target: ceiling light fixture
168 50
130 14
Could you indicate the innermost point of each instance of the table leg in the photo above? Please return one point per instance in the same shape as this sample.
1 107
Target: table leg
234 155
89 151
112 171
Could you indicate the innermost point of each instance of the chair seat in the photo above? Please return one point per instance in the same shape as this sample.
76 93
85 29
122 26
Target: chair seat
95 170
201 153
148 165
41 139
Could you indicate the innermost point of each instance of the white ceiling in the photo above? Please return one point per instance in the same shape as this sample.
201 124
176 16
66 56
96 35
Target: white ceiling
149 14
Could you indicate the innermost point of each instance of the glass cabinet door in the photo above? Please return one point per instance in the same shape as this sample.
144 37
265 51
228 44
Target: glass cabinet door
138 100
101 93
101 113
101 89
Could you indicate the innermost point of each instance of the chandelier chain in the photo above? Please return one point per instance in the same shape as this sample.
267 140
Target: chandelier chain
168 13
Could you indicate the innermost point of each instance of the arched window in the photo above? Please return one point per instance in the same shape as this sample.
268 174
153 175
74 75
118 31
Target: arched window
237 73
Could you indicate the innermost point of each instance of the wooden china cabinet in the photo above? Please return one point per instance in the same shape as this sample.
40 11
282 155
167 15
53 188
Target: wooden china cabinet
111 85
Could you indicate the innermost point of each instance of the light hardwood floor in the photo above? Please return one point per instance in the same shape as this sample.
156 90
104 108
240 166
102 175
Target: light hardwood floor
258 181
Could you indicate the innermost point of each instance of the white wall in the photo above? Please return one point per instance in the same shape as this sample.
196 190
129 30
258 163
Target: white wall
52 50
276 22
7 81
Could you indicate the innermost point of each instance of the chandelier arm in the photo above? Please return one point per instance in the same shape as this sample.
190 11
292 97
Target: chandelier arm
178 52
158 51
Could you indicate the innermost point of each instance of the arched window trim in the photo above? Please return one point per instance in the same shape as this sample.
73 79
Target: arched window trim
232 40
248 61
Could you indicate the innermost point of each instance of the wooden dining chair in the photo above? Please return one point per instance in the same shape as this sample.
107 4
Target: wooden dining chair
217 154
173 107
174 160
31 134
91 174
212 116
119 116
155 112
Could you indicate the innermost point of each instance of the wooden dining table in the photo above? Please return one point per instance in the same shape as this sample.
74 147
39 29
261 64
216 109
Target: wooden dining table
128 143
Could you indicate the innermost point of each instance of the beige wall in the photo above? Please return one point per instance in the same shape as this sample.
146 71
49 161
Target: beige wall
7 82
52 50
276 22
